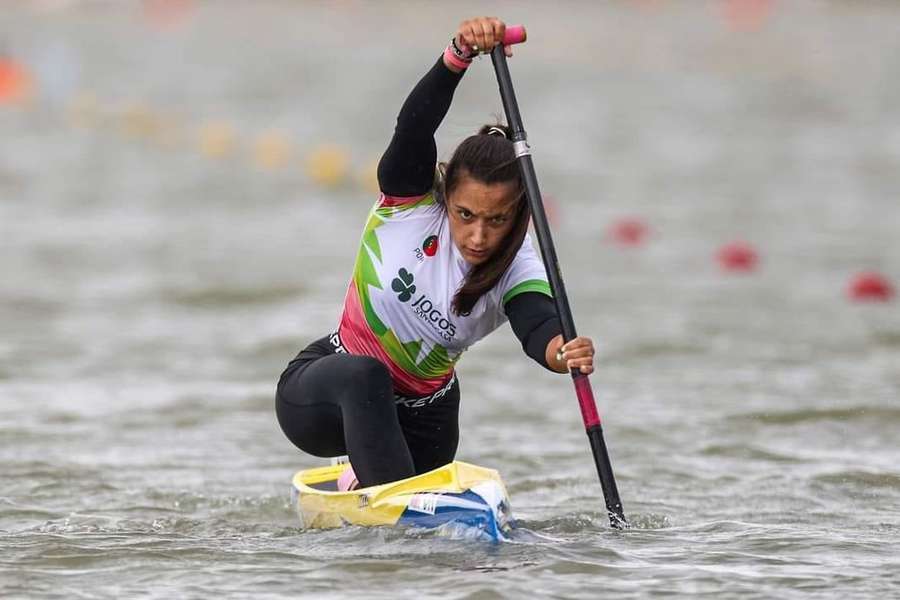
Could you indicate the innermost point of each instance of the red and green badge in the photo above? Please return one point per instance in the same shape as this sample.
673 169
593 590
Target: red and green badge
430 245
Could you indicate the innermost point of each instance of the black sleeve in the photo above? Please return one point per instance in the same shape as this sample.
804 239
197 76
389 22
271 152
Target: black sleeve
407 167
533 318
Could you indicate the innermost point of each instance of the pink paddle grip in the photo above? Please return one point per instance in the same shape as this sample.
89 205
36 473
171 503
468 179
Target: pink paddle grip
585 394
515 34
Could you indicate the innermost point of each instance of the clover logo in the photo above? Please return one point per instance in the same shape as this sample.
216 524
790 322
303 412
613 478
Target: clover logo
402 284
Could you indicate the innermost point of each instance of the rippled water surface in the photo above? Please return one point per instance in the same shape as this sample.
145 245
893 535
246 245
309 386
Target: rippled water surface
151 293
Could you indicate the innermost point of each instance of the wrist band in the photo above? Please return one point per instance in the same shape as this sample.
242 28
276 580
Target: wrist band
451 57
464 53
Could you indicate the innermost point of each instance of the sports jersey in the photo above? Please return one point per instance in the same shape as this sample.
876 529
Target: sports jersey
398 304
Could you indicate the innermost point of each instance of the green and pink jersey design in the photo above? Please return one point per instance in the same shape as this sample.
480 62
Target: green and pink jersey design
397 307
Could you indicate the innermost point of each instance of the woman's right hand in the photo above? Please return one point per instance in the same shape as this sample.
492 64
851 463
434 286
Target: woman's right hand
482 33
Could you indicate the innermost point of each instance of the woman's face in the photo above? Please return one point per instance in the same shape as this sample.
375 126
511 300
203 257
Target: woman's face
481 215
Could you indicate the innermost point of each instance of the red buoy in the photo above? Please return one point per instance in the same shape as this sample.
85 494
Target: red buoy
870 287
628 232
747 15
551 209
738 257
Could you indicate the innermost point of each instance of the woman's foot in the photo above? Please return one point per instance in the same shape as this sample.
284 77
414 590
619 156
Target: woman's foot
347 481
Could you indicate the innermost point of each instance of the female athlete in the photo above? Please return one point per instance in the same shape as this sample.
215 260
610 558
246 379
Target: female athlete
445 259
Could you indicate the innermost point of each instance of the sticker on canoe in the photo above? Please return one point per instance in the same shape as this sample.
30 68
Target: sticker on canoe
424 503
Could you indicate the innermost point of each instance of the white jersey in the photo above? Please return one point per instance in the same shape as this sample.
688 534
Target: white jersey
398 305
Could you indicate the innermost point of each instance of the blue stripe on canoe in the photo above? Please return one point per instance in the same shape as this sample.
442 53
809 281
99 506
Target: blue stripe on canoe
478 516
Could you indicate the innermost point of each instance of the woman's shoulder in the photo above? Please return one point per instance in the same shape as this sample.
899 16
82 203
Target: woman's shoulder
405 207
525 273
527 253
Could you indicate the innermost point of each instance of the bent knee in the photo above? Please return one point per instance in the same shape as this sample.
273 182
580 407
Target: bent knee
364 373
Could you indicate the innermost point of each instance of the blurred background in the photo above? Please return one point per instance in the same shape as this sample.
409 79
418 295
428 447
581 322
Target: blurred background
182 188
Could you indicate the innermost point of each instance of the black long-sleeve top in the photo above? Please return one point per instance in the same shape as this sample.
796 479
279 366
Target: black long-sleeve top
407 169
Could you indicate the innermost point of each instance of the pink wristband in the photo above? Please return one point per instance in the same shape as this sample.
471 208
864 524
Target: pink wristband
454 60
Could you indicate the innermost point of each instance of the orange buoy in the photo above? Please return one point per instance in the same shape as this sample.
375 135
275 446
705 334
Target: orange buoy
15 82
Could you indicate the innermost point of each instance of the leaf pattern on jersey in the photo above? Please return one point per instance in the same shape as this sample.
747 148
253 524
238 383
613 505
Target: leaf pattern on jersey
365 274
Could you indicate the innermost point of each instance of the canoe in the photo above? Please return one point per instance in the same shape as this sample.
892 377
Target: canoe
461 499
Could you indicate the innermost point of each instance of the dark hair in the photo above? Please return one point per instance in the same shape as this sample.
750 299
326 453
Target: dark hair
487 157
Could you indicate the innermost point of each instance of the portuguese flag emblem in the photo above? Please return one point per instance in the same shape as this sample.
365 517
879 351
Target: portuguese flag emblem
430 245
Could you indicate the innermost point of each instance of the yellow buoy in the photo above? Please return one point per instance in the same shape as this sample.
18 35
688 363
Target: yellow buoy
328 165
216 139
169 133
138 121
368 177
272 150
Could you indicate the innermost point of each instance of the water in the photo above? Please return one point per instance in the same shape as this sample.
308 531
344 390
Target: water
150 296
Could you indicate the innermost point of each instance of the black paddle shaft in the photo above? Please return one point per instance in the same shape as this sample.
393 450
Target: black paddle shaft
551 264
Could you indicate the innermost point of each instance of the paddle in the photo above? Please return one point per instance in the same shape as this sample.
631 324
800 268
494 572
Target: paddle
583 390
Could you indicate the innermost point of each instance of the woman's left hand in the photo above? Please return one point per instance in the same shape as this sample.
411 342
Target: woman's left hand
482 33
578 354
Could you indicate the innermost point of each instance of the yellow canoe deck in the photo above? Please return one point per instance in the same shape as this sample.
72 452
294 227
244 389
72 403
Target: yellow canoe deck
385 504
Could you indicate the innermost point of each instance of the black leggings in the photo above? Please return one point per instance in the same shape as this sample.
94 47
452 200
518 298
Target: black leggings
330 404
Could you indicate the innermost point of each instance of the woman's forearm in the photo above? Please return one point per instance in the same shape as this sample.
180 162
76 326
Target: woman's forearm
407 167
